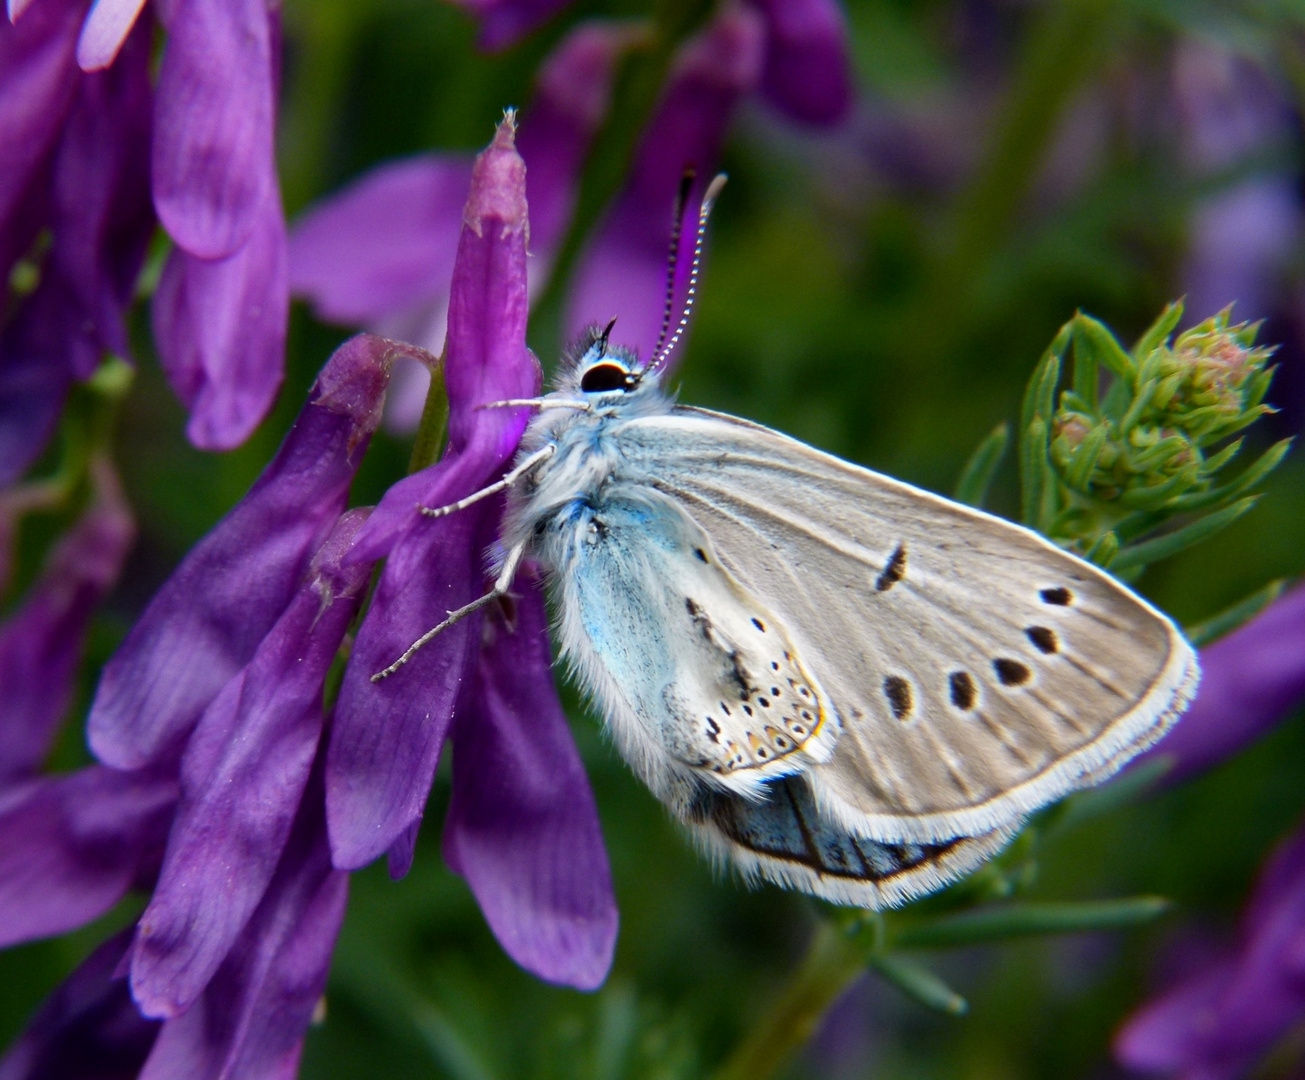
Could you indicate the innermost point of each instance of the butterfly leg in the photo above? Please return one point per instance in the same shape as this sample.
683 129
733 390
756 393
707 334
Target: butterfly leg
533 461
501 585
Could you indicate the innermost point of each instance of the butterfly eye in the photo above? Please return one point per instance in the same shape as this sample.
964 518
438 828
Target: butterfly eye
604 377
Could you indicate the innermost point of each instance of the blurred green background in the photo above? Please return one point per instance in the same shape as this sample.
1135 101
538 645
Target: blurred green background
882 291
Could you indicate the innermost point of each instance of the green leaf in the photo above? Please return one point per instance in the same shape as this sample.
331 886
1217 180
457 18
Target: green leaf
919 983
976 477
1033 473
1096 344
1156 334
1023 920
1229 619
1149 551
1252 475
1154 496
1103 551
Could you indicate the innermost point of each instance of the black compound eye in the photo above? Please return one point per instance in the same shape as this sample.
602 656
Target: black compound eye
604 377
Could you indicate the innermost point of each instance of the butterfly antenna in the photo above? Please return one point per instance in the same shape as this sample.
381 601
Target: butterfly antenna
673 256
704 212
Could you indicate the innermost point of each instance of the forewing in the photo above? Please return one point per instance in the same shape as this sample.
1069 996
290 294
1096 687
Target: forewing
979 671
784 838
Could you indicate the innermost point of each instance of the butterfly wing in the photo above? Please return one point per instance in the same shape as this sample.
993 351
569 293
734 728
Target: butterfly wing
783 837
978 671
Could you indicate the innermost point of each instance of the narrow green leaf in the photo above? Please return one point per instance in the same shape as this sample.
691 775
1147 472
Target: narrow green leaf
1215 462
1022 920
919 983
1251 475
1148 551
1087 369
1092 339
1085 457
1155 495
1033 473
1139 523
976 477
1156 334
1141 398
1228 620
1103 551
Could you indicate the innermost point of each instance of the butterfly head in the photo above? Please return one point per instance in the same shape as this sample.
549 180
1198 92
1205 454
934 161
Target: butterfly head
598 369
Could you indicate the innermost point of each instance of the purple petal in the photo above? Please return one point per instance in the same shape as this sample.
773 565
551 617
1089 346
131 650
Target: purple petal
220 327
505 22
1166 1034
522 827
486 358
251 1019
206 621
386 738
237 810
88 1028
38 79
39 351
1219 1023
104 31
808 72
71 846
103 217
624 271
570 101
213 166
41 645
384 244
1251 680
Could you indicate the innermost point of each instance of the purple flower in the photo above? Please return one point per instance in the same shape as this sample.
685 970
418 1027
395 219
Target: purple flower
93 153
1219 1023
377 254
41 644
524 827
1251 680
74 159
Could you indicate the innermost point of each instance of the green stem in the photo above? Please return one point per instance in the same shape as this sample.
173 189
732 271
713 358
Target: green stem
434 421
833 962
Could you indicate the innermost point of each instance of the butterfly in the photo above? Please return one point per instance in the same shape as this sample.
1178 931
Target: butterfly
839 682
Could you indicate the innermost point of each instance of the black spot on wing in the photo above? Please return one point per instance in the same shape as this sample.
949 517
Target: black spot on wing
963 691
898 692
1059 596
1044 639
894 571
1011 672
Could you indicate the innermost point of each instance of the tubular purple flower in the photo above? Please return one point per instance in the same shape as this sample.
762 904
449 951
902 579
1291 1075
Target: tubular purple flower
386 739
380 253
623 272
251 1018
88 1027
1251 681
213 166
181 653
93 192
71 846
505 22
220 325
104 31
41 644
808 64
243 776
522 826
1216 1025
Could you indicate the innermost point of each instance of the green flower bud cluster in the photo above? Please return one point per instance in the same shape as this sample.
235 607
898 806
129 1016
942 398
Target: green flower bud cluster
1124 464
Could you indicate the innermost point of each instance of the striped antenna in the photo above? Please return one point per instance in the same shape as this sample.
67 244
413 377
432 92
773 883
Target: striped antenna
673 256
704 212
